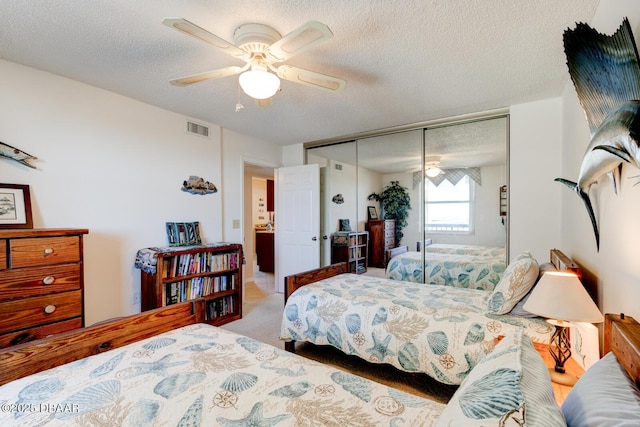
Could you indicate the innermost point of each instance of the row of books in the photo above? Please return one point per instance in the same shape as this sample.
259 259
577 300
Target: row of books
220 307
201 262
198 287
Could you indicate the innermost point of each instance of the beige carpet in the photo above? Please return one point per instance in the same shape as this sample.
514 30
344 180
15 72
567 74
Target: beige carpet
262 314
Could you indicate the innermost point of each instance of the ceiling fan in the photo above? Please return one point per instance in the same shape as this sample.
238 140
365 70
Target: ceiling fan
260 46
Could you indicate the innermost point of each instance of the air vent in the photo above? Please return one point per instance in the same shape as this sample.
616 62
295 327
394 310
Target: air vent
338 167
197 129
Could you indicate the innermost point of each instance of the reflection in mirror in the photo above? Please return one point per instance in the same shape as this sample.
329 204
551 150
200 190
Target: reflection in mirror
338 193
382 161
466 168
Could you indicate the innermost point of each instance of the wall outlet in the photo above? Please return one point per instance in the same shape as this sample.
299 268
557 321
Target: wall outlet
136 298
236 223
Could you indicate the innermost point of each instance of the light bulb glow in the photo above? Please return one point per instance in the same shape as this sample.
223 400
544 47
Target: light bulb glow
259 84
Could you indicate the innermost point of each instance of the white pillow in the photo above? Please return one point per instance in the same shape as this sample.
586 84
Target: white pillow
517 280
604 396
509 386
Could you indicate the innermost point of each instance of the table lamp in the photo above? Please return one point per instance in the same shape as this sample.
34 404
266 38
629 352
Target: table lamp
561 298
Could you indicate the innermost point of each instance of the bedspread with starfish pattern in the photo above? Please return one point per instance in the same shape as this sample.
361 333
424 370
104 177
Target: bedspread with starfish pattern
439 330
203 375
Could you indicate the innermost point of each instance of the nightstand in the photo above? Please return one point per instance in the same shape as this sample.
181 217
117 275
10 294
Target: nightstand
571 366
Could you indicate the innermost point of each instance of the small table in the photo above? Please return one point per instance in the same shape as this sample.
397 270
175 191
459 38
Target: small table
571 366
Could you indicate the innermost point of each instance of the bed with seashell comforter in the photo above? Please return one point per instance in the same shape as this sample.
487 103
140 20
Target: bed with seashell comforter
462 267
439 330
202 375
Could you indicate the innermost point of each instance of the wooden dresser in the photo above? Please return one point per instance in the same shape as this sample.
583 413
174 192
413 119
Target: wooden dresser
382 237
41 283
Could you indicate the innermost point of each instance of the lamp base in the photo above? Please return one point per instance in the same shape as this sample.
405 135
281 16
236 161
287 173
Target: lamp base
562 378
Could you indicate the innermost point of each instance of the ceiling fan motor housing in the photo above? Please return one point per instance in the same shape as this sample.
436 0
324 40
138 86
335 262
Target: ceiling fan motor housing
255 38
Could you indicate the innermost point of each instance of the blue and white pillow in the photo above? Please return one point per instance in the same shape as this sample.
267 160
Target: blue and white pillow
509 386
517 280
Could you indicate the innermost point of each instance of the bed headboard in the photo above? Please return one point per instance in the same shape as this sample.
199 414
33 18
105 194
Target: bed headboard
622 336
563 263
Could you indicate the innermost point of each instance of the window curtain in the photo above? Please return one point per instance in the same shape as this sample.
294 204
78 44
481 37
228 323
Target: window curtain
453 175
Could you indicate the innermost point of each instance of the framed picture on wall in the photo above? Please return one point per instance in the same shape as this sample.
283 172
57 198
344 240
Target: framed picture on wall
15 206
373 214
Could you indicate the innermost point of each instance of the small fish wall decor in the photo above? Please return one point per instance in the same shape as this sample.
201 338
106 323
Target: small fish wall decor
13 153
197 185
338 199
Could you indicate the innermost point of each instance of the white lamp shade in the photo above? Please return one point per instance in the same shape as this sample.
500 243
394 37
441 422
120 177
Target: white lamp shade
561 296
259 84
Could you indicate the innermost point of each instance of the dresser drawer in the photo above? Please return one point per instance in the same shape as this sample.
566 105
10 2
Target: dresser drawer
25 335
29 282
34 252
28 312
389 243
389 233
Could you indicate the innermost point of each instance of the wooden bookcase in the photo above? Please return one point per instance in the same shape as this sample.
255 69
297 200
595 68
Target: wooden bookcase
350 247
209 274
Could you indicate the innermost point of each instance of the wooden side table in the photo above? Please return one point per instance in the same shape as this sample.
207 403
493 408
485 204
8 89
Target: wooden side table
571 366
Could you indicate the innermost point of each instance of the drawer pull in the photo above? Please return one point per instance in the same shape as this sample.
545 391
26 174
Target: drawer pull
48 280
48 251
50 309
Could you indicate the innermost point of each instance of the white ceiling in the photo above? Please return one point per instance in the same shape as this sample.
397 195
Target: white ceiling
405 61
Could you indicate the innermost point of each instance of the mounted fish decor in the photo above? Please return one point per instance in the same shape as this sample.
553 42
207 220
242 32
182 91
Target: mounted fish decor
12 153
605 71
338 199
197 185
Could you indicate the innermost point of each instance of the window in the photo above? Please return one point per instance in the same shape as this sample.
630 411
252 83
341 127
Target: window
448 207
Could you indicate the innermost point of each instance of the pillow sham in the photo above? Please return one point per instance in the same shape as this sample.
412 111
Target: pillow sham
517 280
518 309
605 395
509 386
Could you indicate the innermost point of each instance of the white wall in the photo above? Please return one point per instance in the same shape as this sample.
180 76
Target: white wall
535 161
614 271
116 166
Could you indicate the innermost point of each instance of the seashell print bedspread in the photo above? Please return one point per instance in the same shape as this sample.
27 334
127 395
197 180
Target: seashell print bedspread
203 375
475 250
438 330
460 271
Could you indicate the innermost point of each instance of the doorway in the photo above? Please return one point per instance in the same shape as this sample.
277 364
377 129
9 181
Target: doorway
258 229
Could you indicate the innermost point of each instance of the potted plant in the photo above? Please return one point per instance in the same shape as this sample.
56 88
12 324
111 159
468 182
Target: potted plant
395 203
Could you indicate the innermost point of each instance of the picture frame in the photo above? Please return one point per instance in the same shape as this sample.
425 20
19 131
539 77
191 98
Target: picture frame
183 233
15 206
373 213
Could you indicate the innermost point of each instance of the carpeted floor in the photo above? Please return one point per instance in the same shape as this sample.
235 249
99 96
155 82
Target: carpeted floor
261 318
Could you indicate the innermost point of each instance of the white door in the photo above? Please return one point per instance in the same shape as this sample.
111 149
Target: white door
298 221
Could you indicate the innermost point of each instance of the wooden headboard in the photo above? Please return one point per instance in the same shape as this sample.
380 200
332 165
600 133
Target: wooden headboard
564 263
622 336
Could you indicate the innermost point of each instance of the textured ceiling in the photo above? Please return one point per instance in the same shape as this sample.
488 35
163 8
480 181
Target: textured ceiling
404 61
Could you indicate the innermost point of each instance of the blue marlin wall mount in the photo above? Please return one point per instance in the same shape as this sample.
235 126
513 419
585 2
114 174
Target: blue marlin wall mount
605 72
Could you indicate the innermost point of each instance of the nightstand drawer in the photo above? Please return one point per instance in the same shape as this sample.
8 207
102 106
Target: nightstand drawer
28 312
35 252
29 282
25 335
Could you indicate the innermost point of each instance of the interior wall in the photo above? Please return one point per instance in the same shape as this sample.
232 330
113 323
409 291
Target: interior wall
613 273
116 166
534 162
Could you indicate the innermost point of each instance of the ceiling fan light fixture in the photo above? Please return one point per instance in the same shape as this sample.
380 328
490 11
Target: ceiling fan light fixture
259 84
432 166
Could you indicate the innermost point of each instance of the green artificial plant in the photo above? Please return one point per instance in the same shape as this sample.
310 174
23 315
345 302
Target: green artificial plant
395 203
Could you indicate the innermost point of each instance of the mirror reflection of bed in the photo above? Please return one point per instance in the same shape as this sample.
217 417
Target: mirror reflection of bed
463 205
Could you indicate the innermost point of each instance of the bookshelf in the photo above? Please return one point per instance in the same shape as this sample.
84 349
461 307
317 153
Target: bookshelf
350 247
209 274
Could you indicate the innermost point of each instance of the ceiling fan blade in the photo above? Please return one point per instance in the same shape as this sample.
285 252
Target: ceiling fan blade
208 75
200 33
311 78
299 40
